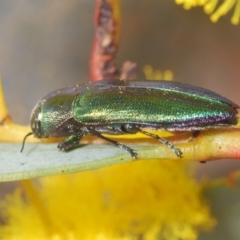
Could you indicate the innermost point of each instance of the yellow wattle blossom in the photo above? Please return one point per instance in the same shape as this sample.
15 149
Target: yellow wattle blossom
215 8
157 74
144 199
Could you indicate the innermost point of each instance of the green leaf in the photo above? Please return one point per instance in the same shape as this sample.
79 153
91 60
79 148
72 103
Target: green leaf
39 160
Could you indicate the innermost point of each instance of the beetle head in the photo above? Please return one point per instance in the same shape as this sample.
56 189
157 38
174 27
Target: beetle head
35 125
36 121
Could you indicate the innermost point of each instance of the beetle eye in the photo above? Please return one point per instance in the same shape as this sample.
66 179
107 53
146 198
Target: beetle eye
36 121
38 127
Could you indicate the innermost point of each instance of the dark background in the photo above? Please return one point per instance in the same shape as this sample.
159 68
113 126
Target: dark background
45 45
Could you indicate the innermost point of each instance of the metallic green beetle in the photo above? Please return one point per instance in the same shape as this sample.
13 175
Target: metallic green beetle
128 106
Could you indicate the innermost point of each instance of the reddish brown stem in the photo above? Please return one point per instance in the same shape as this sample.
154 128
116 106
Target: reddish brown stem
102 61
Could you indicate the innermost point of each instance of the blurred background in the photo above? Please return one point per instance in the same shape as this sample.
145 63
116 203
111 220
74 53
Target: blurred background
45 45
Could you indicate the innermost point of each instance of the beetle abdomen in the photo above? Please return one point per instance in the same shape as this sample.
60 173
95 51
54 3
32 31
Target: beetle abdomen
173 107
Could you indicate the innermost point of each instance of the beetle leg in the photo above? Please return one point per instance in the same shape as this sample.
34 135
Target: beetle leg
120 145
176 150
70 142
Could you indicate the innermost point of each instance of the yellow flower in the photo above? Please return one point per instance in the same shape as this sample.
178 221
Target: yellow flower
157 74
215 8
143 199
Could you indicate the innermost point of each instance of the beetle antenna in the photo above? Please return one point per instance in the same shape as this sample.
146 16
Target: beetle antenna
24 140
